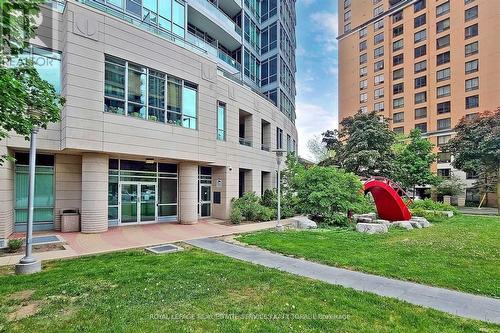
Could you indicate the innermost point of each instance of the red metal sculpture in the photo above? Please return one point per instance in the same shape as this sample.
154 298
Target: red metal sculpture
386 194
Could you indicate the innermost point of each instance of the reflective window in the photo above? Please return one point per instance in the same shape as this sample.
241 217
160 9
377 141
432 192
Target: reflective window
221 121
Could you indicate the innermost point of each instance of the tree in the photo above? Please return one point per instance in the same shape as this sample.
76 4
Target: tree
476 149
317 149
451 186
413 162
27 100
363 145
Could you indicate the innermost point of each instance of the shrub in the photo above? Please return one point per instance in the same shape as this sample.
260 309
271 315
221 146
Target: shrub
269 198
431 216
236 217
15 244
265 213
429 204
327 193
249 205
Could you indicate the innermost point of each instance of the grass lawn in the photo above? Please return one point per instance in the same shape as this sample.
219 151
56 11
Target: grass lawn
137 292
462 253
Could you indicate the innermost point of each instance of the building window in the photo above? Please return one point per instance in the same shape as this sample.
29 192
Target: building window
471 13
363 58
399 130
472 31
379 79
472 102
347 15
363 97
397 45
397 31
378 11
289 147
443 58
362 46
472 84
421 113
46 62
443 9
443 91
269 71
398 59
471 66
419 5
419 21
147 90
444 124
471 116
363 109
379 38
279 138
443 42
398 16
378 107
269 38
347 27
420 51
43 218
379 93
378 25
471 49
443 140
444 107
420 82
398 74
443 74
398 117
347 4
444 173
421 97
378 52
398 88
443 25
379 65
422 127
421 66
221 121
398 103
420 36
363 32
363 84
444 157
363 71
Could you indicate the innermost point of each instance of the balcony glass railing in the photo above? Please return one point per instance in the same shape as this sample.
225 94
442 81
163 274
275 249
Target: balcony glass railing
212 50
223 17
57 5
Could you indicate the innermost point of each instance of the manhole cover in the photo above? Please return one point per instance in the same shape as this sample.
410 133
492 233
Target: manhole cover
41 240
165 248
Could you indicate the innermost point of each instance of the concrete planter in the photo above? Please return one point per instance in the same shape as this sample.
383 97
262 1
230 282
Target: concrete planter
70 221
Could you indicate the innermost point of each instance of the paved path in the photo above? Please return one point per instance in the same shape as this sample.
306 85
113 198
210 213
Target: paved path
457 303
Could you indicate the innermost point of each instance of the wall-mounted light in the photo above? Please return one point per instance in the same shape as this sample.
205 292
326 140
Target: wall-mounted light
150 161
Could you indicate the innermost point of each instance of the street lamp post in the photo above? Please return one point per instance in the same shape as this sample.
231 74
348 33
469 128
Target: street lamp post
29 264
279 158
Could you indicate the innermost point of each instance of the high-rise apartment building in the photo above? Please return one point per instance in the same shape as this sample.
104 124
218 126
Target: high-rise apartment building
172 110
422 63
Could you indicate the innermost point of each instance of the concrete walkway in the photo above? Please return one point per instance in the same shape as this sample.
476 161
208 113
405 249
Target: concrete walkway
137 236
453 302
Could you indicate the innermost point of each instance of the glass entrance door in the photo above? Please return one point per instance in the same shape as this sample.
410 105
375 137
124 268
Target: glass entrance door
205 200
129 198
138 202
148 202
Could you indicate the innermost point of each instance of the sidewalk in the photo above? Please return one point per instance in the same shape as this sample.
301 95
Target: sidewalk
137 236
453 302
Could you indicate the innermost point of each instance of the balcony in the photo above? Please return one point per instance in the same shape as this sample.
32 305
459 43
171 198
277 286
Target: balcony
220 56
202 13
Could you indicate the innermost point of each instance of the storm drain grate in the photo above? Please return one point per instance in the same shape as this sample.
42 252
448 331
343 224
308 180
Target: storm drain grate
165 248
43 240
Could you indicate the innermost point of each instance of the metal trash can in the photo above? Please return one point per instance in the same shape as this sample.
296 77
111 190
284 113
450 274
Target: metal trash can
70 220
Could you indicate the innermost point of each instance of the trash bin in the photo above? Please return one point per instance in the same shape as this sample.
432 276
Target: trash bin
70 220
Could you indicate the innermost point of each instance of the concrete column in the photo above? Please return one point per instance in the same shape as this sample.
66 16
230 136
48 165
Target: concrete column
188 193
229 190
6 196
94 210
68 178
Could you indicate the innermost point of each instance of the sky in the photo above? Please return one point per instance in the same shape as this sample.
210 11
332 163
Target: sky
317 69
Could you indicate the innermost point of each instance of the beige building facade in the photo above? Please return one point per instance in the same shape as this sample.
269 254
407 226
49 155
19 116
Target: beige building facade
421 63
153 130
